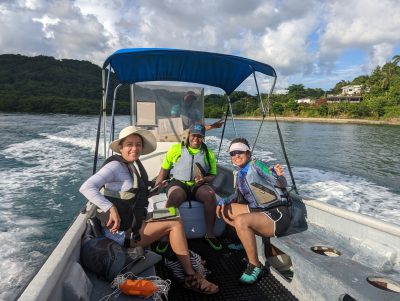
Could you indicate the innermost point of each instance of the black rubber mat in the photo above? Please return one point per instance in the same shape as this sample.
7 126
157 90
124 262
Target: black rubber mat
226 268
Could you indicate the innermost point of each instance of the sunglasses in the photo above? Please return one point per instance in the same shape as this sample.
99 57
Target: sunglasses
237 152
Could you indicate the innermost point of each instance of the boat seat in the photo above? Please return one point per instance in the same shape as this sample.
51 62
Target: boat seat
192 217
320 261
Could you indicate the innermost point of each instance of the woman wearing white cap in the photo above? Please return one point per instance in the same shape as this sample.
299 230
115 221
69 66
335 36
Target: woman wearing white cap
251 212
125 183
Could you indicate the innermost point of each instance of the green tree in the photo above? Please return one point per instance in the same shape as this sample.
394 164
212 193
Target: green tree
338 87
296 92
277 108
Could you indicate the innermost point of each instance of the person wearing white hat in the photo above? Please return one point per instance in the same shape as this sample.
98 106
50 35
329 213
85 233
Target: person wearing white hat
260 205
122 203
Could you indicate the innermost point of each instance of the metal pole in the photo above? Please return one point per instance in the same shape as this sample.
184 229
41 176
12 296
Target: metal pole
233 119
133 107
112 129
105 111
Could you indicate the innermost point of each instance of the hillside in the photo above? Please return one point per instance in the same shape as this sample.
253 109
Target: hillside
43 84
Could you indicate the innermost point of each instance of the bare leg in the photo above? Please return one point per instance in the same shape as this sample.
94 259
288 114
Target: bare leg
153 231
232 211
206 195
247 226
176 196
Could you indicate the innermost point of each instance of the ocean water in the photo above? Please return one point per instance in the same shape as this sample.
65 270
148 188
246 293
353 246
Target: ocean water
45 158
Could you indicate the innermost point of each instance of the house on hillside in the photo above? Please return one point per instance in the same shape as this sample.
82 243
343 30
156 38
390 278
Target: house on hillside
305 100
351 90
350 93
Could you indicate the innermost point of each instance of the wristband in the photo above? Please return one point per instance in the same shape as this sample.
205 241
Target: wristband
221 202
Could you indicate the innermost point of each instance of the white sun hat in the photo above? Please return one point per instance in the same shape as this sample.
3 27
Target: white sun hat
149 140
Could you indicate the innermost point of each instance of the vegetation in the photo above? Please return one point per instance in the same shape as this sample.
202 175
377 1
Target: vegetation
380 101
45 85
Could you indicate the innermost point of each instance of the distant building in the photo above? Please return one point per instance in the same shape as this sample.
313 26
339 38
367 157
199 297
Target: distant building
305 100
352 90
342 98
350 93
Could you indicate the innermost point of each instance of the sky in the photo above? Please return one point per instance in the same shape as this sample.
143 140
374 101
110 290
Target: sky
309 42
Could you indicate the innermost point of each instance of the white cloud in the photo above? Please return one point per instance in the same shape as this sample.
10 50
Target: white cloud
370 25
302 40
46 22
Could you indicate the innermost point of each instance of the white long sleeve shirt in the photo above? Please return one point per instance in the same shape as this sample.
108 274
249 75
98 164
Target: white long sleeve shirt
115 176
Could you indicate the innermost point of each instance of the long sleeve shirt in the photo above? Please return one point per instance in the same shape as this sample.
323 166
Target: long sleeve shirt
114 176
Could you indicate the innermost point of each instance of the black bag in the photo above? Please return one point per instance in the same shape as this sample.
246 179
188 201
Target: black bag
105 257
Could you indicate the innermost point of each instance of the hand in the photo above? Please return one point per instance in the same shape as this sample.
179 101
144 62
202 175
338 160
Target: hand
199 180
219 211
217 124
114 220
158 188
279 170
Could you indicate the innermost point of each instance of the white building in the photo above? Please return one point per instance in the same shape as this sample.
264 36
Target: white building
351 90
305 100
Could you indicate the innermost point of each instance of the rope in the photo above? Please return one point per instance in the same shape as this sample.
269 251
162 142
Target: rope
163 286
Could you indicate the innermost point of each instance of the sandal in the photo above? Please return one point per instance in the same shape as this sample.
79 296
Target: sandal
213 242
199 284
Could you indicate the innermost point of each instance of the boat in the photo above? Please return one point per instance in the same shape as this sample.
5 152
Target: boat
328 253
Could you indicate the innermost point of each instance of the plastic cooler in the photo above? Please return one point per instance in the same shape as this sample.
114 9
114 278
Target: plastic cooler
192 218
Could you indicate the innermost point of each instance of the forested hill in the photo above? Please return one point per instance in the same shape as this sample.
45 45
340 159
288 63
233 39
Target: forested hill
43 84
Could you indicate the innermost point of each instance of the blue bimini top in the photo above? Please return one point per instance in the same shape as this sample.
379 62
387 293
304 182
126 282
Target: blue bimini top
133 65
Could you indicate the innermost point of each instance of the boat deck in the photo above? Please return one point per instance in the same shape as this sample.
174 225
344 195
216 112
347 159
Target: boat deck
226 267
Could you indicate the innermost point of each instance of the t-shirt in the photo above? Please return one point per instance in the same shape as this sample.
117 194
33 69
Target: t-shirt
189 115
174 153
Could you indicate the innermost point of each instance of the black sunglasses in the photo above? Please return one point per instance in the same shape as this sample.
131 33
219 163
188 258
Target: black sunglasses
237 152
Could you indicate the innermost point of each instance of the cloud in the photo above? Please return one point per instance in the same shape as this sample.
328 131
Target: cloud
369 25
303 40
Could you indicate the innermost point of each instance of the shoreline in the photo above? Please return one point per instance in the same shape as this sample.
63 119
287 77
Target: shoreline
395 121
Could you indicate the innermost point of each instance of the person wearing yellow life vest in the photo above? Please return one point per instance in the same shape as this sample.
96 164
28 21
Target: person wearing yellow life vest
125 177
180 163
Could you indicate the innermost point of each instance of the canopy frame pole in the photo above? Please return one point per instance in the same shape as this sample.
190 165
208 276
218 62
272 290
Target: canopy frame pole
262 109
112 127
233 119
223 131
133 104
105 111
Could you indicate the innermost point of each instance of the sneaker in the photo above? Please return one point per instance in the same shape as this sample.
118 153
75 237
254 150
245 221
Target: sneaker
213 242
162 246
235 247
251 274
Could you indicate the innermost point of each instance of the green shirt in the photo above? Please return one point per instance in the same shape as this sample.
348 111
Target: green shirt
174 154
